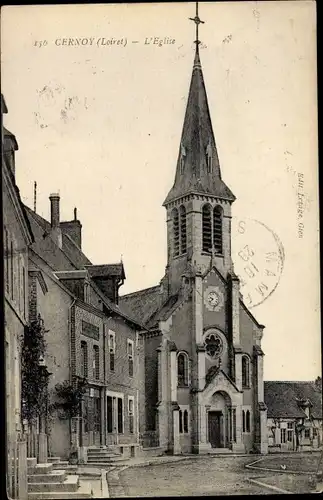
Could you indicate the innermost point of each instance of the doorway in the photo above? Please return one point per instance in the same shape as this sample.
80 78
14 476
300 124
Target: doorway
215 421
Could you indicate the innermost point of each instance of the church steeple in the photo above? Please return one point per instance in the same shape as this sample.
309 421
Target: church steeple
199 203
198 168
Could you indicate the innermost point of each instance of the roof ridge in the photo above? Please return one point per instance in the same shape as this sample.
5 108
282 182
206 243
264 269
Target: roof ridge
140 291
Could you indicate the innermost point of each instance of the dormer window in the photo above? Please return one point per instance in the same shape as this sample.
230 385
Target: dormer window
209 158
182 159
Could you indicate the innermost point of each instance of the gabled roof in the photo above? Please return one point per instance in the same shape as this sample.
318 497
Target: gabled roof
106 270
66 258
197 144
282 399
143 304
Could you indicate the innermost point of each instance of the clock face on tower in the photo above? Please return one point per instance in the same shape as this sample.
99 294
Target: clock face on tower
213 298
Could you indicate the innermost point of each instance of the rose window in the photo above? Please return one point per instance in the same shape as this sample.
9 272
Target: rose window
213 345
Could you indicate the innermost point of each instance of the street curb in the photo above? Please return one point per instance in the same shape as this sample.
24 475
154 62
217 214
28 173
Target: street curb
281 471
179 459
104 484
269 487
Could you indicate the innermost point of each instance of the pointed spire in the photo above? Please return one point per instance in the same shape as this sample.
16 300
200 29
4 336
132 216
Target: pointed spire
198 171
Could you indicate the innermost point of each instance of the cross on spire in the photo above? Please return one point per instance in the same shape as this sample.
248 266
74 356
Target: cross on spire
197 22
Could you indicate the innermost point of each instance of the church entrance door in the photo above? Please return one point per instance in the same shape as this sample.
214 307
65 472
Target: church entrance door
215 421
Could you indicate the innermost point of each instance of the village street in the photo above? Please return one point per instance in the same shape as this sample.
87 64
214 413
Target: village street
192 477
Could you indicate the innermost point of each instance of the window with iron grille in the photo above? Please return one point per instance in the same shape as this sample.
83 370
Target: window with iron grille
131 414
130 357
112 349
96 362
84 359
206 228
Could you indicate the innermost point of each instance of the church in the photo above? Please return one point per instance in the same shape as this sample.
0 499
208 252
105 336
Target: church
204 389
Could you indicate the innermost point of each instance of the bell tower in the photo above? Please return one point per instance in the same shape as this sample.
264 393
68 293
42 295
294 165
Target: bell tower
199 203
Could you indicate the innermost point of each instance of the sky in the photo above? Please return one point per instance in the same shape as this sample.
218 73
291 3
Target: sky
100 122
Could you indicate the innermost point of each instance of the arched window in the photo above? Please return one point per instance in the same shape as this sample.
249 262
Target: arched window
180 416
245 372
182 212
243 421
185 418
206 228
175 231
84 360
217 229
182 369
247 421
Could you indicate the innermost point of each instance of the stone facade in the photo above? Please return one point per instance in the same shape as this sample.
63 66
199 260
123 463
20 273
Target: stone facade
79 320
203 357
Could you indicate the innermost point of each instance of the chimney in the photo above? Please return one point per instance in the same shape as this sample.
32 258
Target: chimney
54 219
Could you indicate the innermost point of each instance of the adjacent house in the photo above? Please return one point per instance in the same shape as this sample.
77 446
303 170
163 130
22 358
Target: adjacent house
17 237
294 415
89 339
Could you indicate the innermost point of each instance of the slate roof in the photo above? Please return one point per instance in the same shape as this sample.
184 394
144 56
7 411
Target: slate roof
60 259
197 142
105 270
143 304
282 398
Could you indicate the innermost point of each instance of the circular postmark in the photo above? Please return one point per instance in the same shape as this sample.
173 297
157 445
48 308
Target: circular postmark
258 257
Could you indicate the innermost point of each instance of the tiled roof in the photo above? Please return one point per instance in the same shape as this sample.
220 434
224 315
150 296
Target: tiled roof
282 399
143 304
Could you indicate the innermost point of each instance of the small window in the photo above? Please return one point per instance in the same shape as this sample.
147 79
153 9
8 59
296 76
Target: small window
248 421
112 349
11 269
131 415
7 259
109 414
182 212
206 229
185 421
84 359
96 362
217 229
182 369
130 357
120 416
245 372
175 219
283 436
180 416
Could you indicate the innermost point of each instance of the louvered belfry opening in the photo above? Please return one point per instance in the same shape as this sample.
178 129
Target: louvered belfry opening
206 228
183 229
217 229
175 231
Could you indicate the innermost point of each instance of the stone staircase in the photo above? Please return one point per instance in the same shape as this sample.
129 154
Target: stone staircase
99 456
48 483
